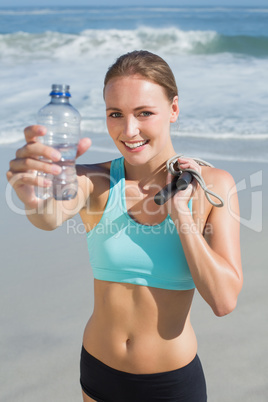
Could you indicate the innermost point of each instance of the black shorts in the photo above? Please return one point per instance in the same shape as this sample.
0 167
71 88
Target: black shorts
105 384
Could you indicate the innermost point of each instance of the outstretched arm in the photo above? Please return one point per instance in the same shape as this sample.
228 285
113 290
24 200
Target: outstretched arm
44 214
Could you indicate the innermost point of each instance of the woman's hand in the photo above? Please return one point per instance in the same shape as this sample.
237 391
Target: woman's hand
36 157
179 202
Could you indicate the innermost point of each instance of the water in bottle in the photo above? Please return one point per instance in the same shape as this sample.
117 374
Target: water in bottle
62 122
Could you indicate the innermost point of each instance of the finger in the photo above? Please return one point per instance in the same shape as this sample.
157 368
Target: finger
194 184
187 163
27 164
36 150
83 146
32 133
184 195
29 178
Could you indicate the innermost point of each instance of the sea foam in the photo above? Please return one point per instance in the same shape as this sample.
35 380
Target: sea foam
22 46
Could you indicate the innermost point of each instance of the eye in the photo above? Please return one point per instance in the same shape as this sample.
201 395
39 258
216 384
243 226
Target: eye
146 114
115 115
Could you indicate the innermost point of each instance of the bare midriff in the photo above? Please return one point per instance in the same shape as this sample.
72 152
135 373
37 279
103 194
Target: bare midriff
139 329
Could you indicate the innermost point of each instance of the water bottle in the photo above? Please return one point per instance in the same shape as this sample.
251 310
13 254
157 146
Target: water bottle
62 122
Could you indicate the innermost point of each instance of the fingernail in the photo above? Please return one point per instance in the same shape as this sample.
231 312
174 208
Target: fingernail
55 155
47 182
41 130
56 169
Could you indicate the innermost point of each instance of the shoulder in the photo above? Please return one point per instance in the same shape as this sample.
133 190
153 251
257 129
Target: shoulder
222 183
89 170
218 180
92 170
94 181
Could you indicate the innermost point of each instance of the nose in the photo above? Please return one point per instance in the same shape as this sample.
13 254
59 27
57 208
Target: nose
131 127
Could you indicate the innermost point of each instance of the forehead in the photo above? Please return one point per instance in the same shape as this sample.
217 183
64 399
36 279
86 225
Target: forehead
133 85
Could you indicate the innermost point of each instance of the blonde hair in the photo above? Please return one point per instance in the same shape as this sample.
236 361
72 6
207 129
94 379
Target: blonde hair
148 65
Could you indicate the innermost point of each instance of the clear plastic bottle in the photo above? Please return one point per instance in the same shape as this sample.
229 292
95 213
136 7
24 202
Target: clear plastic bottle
62 122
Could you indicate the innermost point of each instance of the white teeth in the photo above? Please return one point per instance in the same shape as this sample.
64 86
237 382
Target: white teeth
133 145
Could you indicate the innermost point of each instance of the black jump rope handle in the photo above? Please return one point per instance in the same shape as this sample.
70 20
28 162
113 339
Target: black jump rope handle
177 184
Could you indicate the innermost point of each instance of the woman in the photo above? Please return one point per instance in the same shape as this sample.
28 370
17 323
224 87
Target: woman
147 259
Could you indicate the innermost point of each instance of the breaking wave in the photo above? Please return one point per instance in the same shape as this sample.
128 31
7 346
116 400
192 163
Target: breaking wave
55 45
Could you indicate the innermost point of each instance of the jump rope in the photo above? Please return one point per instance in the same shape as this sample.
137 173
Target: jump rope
182 179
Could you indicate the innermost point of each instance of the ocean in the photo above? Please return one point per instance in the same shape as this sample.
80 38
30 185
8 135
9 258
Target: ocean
219 57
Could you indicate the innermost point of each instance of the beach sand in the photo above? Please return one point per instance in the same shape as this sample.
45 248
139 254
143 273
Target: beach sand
46 297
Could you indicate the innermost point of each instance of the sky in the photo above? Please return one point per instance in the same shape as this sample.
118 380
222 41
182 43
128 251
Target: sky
49 3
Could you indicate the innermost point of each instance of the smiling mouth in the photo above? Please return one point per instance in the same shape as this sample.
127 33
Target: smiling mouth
134 145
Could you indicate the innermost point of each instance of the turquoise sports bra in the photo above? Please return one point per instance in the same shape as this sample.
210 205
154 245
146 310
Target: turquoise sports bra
122 250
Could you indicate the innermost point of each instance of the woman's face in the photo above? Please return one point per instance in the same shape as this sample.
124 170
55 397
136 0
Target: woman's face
138 116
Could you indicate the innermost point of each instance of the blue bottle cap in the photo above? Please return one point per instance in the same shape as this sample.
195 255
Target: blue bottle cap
60 90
